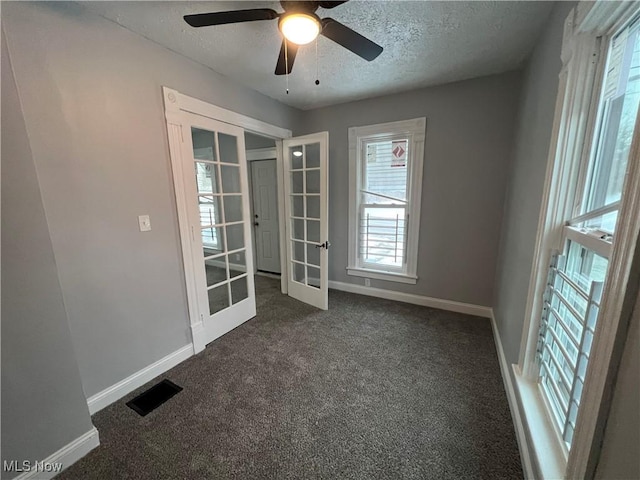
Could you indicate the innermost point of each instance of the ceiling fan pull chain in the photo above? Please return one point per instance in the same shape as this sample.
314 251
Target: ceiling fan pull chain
317 79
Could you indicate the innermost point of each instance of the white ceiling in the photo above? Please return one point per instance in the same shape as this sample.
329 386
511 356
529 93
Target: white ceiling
425 43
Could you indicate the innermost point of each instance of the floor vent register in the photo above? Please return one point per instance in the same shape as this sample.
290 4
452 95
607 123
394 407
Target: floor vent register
148 401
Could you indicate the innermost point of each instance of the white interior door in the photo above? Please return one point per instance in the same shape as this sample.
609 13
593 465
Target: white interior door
306 169
265 222
215 177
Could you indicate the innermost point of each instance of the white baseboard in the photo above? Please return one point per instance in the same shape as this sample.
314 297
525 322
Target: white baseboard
449 305
514 406
115 392
66 456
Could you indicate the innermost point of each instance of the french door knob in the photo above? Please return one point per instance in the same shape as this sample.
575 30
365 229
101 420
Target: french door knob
256 224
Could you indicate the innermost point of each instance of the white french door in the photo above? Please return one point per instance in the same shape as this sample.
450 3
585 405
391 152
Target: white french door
216 188
306 168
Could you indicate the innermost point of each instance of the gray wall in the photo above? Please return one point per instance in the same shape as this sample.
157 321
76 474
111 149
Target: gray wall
526 181
92 103
467 150
252 141
43 405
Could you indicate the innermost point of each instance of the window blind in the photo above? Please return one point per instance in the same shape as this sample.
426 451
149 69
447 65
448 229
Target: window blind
570 311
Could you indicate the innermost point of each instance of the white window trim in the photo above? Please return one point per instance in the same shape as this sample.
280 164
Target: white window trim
416 131
583 56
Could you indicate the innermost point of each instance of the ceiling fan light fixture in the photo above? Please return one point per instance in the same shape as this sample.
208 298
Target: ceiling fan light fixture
300 28
299 25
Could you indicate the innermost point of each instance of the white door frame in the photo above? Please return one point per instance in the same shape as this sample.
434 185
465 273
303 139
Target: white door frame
175 105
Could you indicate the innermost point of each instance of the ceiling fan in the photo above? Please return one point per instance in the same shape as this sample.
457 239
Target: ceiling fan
299 25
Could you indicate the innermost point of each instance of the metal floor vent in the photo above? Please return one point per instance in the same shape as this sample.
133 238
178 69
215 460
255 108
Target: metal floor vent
154 397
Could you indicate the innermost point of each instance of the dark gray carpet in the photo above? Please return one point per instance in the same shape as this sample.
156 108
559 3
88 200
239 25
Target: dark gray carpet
369 389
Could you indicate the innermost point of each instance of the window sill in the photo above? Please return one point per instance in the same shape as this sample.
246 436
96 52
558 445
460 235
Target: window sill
379 275
549 456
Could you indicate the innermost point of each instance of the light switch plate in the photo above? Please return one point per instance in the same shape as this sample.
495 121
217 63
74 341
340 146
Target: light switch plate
145 223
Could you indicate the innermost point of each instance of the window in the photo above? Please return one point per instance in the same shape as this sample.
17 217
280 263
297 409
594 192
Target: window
577 274
209 212
208 191
618 105
385 196
586 239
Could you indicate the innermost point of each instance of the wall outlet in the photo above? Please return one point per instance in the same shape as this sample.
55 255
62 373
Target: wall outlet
144 222
367 282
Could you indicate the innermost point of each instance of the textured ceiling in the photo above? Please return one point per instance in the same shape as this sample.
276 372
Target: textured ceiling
425 43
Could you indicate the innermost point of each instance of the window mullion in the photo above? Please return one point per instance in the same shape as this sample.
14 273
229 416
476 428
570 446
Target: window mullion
598 212
599 243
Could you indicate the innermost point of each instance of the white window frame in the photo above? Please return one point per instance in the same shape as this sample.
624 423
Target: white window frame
415 131
587 34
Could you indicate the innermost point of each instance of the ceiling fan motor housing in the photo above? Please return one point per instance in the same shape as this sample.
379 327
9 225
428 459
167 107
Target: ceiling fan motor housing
299 7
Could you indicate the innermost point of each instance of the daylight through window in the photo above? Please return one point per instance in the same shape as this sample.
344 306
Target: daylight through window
386 181
576 276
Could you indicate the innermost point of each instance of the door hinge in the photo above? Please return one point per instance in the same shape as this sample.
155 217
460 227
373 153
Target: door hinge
202 317
193 235
595 54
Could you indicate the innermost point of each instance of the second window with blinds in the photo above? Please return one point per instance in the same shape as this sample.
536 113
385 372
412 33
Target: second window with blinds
385 190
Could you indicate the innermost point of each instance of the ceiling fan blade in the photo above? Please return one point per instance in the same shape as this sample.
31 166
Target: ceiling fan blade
350 39
330 4
284 62
234 16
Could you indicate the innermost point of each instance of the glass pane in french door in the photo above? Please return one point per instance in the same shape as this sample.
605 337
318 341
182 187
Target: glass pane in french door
304 211
222 215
